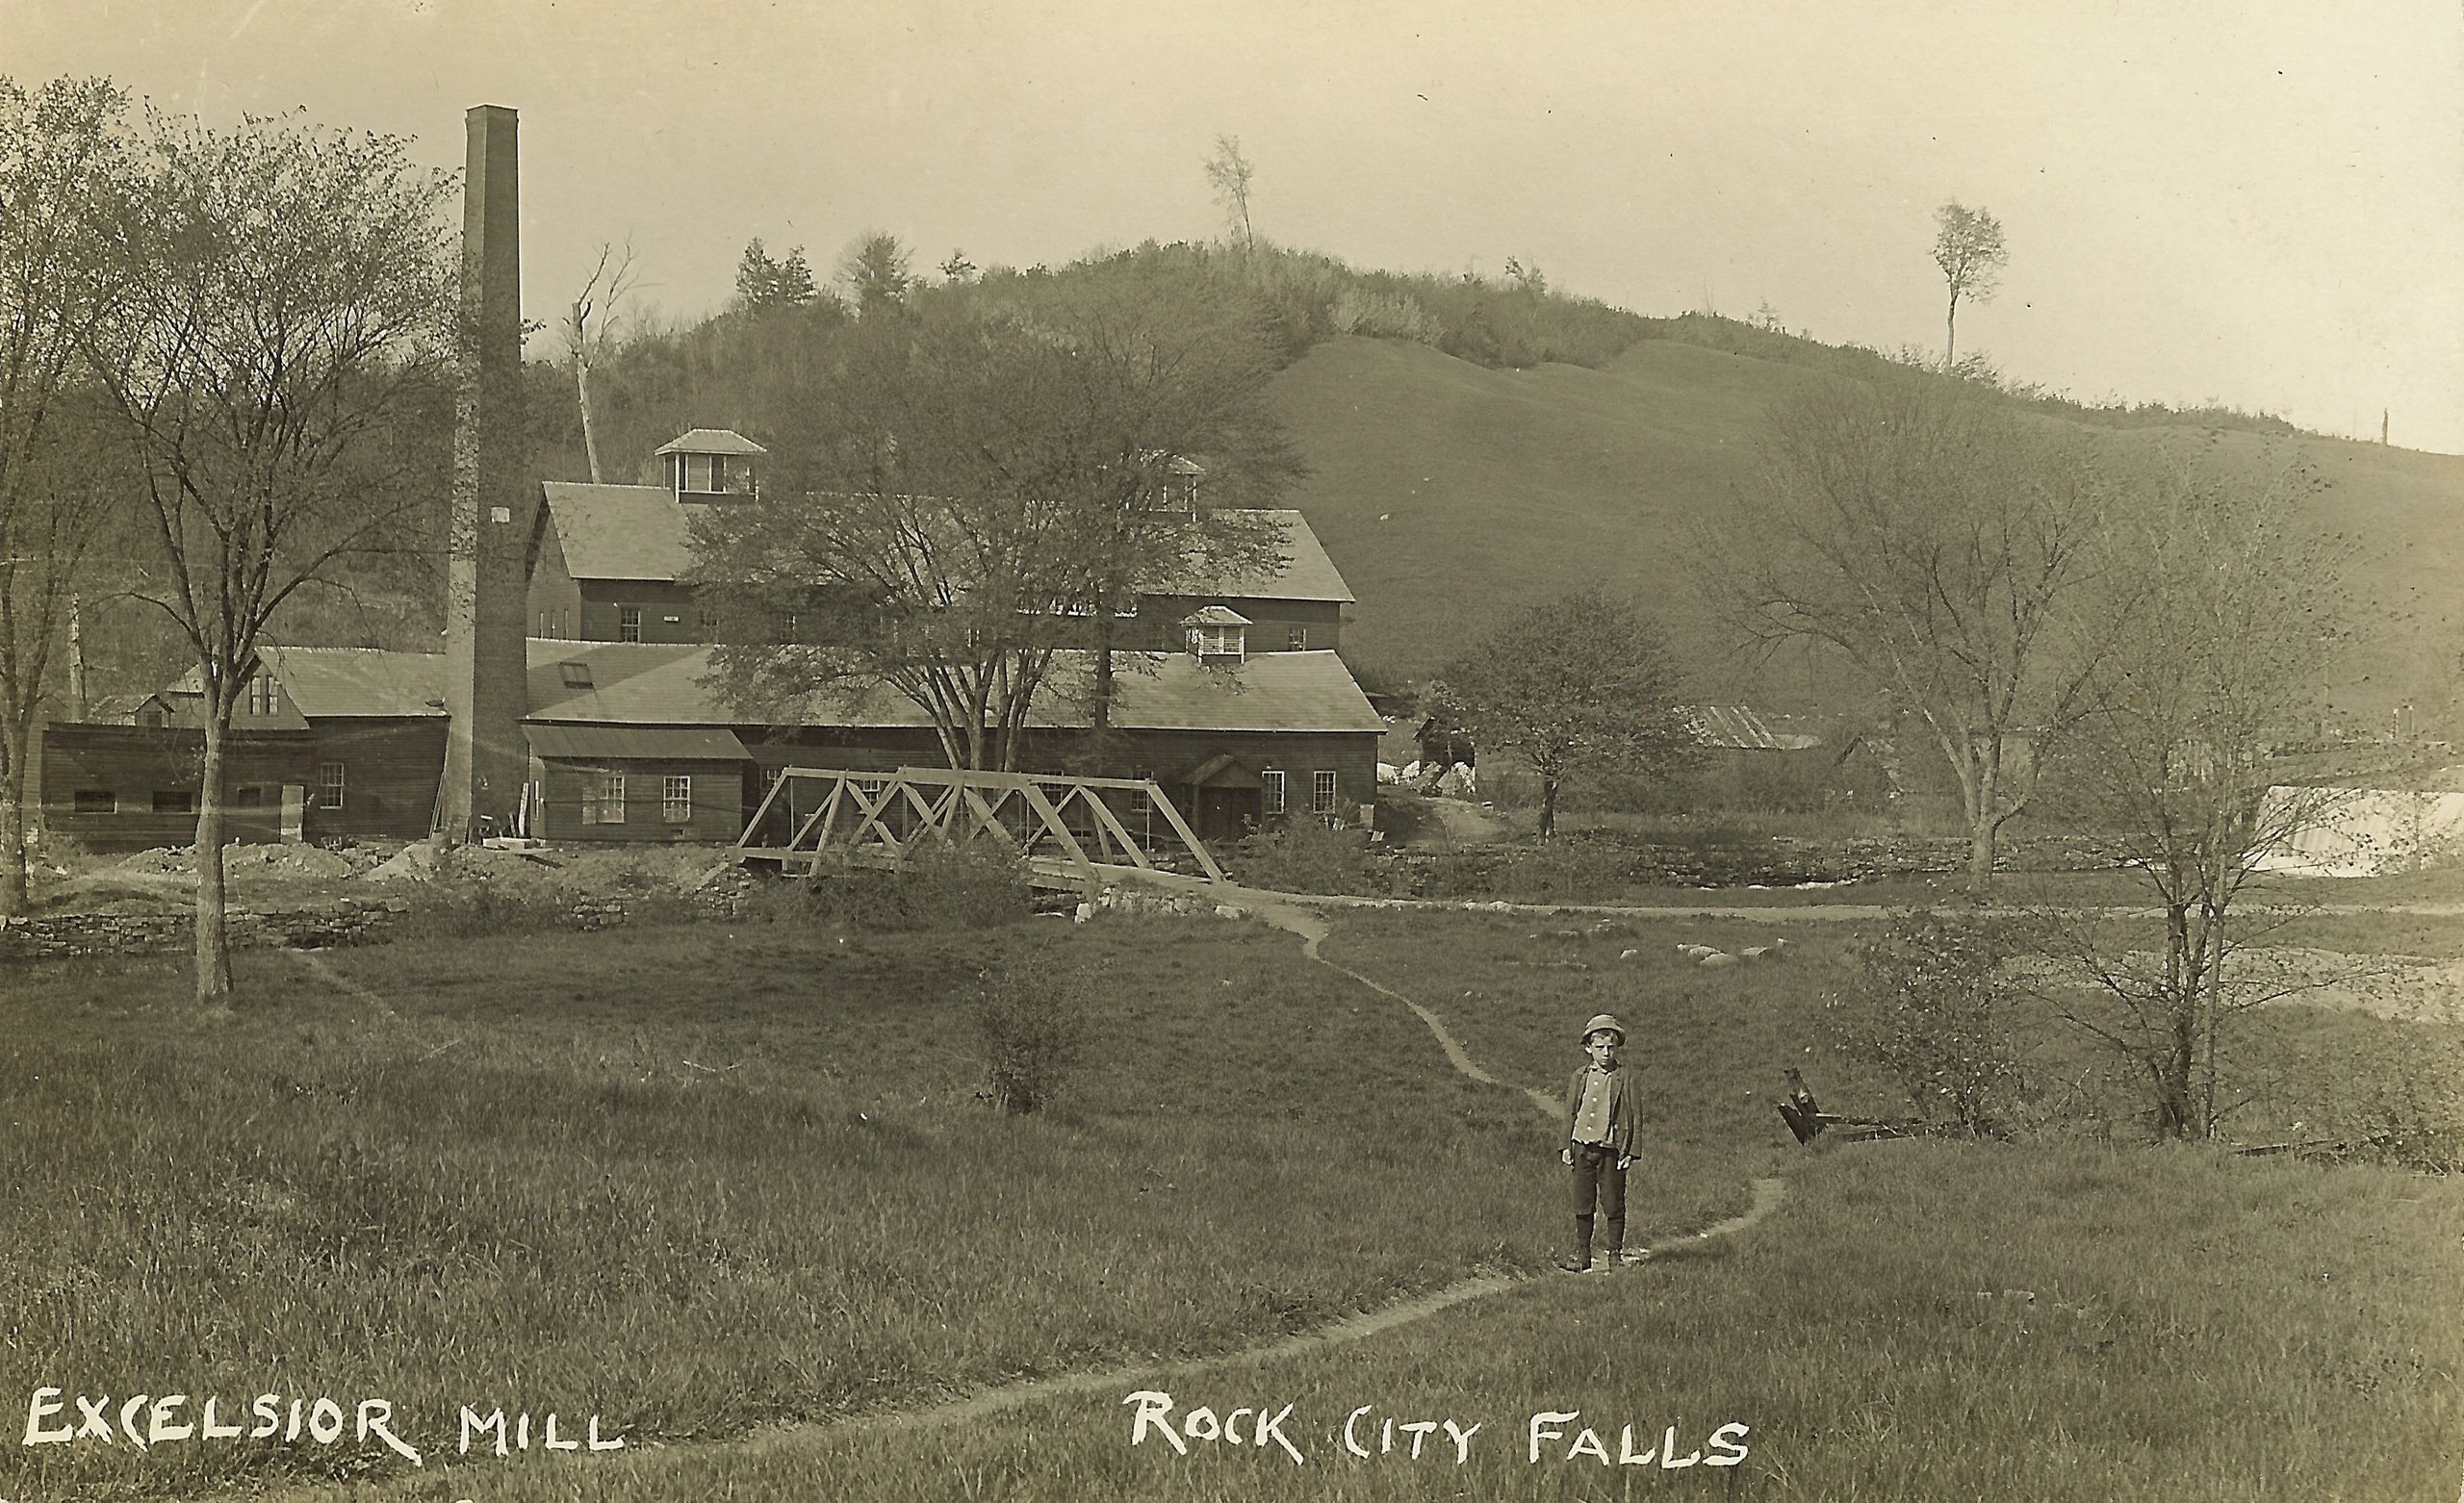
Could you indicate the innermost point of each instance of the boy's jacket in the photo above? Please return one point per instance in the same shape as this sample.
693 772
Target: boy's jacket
1623 1108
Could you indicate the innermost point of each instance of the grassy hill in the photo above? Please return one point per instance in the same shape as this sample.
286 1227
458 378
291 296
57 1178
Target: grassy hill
1449 492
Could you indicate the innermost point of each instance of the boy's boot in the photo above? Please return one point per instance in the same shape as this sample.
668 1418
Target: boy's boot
1581 1259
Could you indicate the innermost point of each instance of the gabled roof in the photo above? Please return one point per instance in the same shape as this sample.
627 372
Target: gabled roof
1306 573
712 441
640 532
619 531
330 682
1215 616
643 683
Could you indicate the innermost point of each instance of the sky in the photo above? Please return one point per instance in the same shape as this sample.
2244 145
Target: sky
2257 202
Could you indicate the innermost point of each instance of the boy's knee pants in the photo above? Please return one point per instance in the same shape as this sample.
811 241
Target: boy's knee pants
1599 1182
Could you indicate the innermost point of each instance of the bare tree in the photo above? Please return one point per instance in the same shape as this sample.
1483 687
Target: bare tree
1584 682
58 148
2236 606
1934 541
987 484
1967 246
289 315
1229 174
586 340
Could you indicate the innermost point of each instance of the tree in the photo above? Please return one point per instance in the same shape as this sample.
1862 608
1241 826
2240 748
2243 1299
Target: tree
1934 541
59 147
1229 174
1967 246
986 482
587 341
287 319
2237 605
1580 683
877 272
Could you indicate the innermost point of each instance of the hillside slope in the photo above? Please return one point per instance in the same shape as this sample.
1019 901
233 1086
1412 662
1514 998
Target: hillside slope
1449 492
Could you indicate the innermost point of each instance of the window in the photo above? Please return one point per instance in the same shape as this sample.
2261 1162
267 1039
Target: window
603 799
718 472
176 800
250 797
1272 795
577 676
1300 639
629 624
330 785
260 693
96 800
707 615
676 798
1321 793
1215 641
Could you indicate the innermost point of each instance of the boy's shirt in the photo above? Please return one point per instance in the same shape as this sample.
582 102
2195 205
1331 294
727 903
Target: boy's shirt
1601 1108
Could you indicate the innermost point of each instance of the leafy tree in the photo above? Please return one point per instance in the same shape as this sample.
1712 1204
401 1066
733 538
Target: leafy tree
1580 683
877 272
1967 246
1935 1001
60 148
284 325
1936 543
2236 606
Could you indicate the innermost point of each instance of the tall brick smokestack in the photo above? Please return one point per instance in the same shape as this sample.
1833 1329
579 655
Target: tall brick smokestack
486 695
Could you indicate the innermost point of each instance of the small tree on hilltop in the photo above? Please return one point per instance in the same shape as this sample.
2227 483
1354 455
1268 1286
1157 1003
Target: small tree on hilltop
1580 683
1967 246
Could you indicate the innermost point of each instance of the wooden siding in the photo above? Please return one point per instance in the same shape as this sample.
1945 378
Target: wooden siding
1270 622
717 812
554 600
132 763
390 768
658 600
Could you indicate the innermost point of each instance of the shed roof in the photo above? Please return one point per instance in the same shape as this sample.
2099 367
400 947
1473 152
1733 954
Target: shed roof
712 441
1737 728
1305 572
1215 616
637 743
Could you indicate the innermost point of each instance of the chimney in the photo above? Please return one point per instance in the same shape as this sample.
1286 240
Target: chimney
486 672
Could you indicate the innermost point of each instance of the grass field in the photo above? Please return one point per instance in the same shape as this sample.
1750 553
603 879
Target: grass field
703 1181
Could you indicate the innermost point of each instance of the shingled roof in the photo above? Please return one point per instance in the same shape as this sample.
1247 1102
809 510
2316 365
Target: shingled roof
712 441
325 684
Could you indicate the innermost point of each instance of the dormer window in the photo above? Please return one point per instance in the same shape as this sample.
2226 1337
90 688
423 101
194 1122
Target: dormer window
262 694
577 676
709 463
1217 636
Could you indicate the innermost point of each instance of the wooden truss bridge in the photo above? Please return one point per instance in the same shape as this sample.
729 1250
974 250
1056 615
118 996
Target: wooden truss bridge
1072 832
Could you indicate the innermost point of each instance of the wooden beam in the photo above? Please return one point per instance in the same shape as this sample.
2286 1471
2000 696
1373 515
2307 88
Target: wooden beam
1189 836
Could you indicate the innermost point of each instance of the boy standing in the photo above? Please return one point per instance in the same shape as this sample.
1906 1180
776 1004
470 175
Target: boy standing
1599 1143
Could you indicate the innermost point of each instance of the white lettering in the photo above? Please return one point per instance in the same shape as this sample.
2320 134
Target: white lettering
268 1411
128 1413
214 1432
596 1443
1419 1430
1349 1421
470 1422
36 1410
1232 1424
1462 1440
1668 1457
97 1422
1625 1456
1274 1428
1200 1424
1589 1441
1152 1407
554 1444
1724 1442
158 1424
1545 1426
377 1418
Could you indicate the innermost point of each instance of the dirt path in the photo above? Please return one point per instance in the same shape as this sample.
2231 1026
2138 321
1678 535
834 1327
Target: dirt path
1293 916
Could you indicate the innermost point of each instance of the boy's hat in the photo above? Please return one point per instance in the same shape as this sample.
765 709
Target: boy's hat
1604 1023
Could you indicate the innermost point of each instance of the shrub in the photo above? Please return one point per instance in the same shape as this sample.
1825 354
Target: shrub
1309 855
1933 1004
1034 1025
980 884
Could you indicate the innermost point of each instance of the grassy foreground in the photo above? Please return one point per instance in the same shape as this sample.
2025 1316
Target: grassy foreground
702 1182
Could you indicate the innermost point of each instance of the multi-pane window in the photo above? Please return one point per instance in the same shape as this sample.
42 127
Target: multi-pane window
629 624
260 693
1300 639
1321 793
1272 794
330 785
603 799
676 798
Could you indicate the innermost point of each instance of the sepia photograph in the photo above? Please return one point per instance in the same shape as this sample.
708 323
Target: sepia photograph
1077 750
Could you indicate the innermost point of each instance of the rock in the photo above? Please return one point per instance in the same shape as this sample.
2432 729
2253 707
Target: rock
1628 955
1717 959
